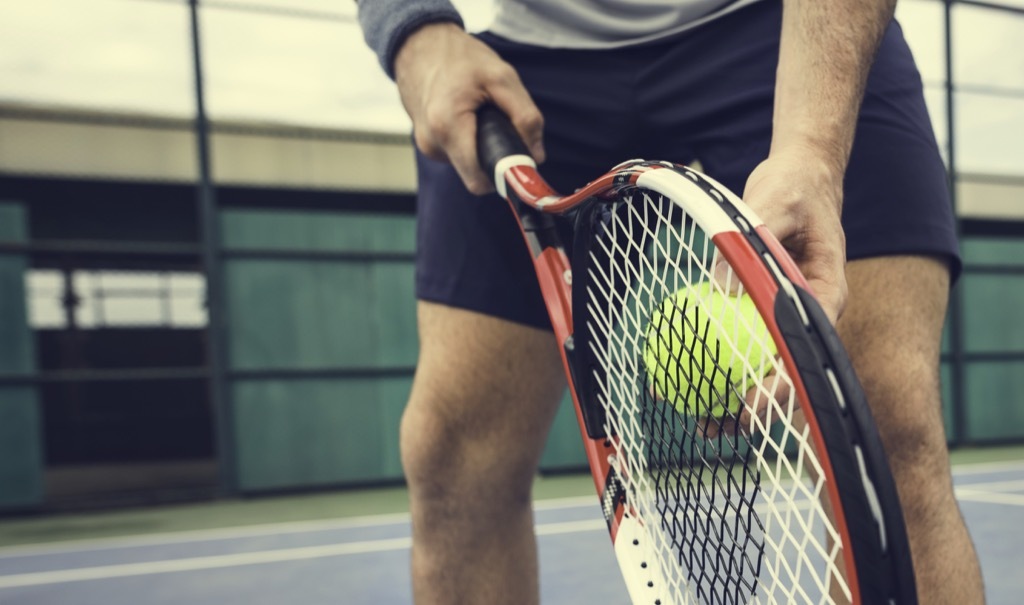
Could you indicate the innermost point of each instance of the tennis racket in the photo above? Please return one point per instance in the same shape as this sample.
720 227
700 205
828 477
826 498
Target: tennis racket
792 504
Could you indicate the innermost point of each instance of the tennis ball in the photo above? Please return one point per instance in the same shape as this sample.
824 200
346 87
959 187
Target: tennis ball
697 363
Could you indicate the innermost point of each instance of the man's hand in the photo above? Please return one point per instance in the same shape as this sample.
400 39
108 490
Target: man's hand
825 54
798 192
443 76
799 196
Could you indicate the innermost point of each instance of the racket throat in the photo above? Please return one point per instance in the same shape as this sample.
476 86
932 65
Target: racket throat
640 566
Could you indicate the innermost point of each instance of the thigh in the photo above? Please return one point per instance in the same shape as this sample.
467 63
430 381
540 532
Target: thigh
484 396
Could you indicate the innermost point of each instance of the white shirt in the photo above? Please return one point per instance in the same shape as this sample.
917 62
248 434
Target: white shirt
602 23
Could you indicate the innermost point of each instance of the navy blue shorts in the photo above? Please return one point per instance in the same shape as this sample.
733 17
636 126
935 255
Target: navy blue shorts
706 94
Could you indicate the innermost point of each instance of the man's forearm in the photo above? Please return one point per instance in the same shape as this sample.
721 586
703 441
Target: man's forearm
826 52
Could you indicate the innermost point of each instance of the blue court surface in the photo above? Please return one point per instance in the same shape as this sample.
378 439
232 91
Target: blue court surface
364 560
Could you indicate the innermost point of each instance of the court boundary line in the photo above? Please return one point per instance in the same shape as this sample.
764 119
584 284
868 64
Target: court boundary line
1009 485
984 497
201 535
246 531
313 525
997 466
280 555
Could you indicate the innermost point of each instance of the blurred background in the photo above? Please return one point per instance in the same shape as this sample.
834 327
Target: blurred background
177 325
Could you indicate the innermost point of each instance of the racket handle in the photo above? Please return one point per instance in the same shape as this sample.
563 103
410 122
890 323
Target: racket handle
496 138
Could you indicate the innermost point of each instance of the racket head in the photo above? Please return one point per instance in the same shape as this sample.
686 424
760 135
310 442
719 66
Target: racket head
798 505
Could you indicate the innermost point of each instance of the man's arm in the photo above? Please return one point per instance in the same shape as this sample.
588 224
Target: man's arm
826 52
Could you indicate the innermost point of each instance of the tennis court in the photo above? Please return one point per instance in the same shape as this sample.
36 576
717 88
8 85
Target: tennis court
208 323
363 559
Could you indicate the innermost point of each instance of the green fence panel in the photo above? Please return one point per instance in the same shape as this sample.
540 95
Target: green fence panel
328 313
318 231
992 306
302 433
287 314
993 250
564 449
994 410
21 458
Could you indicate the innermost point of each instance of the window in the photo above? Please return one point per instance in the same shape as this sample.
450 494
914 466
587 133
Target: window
101 299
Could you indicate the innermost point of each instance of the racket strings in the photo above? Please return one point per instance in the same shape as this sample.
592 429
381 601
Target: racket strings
732 518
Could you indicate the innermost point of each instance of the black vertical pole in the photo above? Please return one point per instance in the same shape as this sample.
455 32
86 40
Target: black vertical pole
210 234
956 315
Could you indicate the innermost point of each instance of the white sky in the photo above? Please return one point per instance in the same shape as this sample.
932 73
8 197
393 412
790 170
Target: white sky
134 55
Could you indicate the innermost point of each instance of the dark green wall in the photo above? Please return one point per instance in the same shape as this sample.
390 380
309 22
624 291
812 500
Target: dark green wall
325 344
993 329
322 304
21 463
322 348
330 324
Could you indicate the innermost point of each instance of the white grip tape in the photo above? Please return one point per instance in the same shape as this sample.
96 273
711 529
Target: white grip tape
503 165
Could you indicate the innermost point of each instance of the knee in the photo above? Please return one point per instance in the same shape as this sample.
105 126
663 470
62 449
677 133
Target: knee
447 460
909 419
906 403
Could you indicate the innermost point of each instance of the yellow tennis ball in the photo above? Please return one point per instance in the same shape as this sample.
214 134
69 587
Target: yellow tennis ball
694 352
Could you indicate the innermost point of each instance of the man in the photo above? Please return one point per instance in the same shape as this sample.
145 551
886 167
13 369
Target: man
768 98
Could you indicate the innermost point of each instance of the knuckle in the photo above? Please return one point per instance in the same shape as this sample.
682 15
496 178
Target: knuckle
501 73
477 186
425 143
435 123
530 120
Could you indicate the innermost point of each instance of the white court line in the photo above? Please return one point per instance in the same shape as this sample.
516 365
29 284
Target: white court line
200 563
202 535
993 486
990 497
992 492
248 531
296 527
988 467
372 546
250 558
568 502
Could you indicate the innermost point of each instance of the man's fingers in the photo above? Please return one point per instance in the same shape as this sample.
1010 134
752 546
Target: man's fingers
767 402
824 268
510 96
723 275
462 154
530 126
831 296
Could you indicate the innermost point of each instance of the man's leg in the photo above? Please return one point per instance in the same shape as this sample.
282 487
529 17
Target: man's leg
892 328
485 394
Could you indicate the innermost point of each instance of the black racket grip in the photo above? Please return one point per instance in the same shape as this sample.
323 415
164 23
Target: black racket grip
496 138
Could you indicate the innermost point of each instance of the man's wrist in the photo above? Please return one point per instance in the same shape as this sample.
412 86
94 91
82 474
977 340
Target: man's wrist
388 23
418 40
829 143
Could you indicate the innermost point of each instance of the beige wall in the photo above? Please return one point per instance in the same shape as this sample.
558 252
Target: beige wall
982 196
61 142
74 143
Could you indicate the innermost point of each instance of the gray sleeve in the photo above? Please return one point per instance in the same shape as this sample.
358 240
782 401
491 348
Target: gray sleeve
387 23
